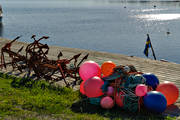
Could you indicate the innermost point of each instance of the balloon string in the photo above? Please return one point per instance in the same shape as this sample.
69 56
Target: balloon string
140 103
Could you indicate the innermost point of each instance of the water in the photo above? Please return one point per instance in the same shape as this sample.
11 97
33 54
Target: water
103 25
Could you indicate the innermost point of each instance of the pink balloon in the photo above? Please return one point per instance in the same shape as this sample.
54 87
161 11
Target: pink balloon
110 91
82 88
107 102
141 90
89 69
92 87
119 99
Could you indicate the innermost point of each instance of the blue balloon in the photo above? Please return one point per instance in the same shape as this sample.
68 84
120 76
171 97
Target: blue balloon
151 80
155 101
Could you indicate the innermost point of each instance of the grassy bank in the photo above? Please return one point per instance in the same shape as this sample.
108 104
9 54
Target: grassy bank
37 100
26 99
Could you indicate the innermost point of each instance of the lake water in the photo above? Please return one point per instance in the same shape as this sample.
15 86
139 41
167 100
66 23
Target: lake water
103 25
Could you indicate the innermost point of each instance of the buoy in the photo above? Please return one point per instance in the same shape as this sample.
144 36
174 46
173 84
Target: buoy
168 32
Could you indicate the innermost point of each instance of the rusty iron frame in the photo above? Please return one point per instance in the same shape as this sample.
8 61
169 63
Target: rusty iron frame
36 60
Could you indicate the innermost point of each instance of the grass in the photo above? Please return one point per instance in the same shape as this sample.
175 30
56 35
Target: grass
25 99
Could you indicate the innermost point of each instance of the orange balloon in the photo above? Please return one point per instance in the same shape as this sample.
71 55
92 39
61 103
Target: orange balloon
170 91
107 68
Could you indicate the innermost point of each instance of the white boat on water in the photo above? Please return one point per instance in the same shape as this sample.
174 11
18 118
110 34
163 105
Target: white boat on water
1 12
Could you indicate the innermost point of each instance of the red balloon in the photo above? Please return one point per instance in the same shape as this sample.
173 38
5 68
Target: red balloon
119 99
107 102
170 91
82 88
92 87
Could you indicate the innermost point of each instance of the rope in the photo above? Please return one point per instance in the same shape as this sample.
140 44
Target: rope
125 84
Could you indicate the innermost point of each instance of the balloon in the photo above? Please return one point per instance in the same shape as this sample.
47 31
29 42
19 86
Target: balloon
119 99
151 80
107 102
110 91
92 87
170 91
141 90
82 87
107 68
89 69
155 101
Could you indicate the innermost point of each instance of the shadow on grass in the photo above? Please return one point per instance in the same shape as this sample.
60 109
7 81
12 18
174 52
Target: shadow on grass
172 110
84 106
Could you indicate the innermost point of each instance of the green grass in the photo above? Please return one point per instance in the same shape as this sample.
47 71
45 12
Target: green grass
29 100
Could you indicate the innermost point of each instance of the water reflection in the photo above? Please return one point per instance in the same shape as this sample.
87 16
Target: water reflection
1 29
161 2
159 17
147 10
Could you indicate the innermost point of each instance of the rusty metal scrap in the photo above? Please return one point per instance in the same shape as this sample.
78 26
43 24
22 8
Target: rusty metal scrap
15 56
36 60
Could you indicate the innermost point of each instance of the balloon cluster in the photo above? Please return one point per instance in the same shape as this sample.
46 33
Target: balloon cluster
109 85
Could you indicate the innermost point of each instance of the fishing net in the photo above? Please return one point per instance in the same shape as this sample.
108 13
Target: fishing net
95 101
122 82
